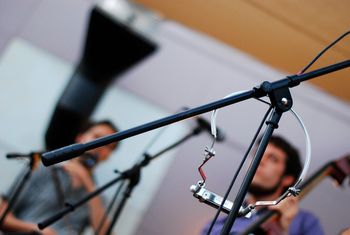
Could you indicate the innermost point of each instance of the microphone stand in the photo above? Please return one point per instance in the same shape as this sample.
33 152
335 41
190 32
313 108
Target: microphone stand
281 100
17 189
133 176
272 124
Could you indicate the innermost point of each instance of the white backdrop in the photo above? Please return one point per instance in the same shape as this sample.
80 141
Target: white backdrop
32 81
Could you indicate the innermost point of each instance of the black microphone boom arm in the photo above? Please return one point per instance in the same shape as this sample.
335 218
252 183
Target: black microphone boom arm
266 88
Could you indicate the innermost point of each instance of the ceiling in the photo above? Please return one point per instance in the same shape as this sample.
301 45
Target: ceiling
284 34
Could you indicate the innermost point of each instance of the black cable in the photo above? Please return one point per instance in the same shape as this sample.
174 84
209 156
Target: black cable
322 52
238 170
263 101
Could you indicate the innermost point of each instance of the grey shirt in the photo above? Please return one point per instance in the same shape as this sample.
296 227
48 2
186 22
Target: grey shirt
41 198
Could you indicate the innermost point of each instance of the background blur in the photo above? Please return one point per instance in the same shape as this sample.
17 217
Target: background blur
206 50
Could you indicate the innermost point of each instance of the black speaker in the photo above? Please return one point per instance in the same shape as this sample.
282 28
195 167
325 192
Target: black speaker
111 47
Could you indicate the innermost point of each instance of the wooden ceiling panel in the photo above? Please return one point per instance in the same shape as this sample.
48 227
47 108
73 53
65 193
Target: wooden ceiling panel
320 20
283 34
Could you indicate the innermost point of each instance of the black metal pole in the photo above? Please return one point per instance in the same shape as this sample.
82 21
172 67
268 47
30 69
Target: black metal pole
75 150
109 208
271 125
71 207
18 189
16 193
134 179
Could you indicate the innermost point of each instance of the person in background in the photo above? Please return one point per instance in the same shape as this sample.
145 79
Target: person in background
49 188
278 170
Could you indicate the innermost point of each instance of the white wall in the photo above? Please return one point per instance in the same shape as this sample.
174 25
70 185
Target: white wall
31 83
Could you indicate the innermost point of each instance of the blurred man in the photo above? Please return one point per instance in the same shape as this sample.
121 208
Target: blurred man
279 169
49 188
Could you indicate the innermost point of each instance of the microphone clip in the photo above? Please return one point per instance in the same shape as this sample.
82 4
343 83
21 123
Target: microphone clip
214 200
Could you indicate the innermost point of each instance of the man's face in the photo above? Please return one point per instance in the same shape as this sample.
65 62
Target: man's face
269 175
95 132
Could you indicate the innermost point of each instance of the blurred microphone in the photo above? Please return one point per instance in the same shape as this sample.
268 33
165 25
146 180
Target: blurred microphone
21 155
89 160
205 125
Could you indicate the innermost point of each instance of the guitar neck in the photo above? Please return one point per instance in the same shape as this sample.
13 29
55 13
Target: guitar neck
316 178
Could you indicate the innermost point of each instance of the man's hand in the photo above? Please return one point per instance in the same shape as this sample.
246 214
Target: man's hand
80 175
12 224
288 209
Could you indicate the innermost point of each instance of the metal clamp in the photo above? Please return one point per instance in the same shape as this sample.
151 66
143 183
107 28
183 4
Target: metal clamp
214 200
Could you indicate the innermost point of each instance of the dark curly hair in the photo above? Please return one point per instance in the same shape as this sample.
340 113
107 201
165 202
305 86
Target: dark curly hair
293 164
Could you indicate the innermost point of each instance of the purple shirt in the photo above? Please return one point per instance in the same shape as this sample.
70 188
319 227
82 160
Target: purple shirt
304 223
